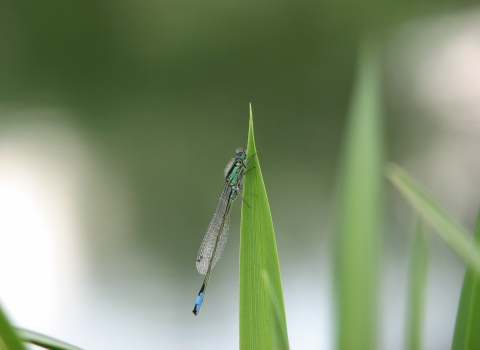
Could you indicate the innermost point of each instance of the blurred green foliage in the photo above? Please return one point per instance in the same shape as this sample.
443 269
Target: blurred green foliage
161 88
359 233
160 92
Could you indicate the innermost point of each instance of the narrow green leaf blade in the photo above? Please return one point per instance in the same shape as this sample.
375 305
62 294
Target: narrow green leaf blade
258 252
358 230
454 234
8 337
467 325
43 340
278 330
418 278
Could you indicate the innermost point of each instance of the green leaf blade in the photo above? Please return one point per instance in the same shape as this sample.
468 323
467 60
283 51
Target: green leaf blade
8 337
467 325
418 277
449 230
44 341
258 253
358 233
277 325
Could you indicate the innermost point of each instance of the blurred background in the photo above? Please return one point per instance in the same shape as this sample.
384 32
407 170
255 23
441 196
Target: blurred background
118 118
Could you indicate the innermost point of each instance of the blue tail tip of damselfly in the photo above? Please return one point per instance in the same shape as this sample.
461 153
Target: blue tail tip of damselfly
198 302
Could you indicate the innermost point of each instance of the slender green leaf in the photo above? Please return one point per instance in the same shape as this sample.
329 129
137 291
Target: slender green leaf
418 277
467 326
359 209
43 340
258 252
8 336
279 332
454 234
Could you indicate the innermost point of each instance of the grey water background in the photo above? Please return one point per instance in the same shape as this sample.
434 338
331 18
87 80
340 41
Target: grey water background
121 117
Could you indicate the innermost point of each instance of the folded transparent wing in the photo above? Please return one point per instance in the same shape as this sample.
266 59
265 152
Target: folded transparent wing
205 252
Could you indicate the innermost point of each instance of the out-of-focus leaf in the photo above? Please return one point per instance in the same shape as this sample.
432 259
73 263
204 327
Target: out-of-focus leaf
358 234
467 325
43 340
8 337
418 277
454 234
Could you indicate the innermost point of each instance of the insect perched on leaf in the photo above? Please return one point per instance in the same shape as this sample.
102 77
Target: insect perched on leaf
214 241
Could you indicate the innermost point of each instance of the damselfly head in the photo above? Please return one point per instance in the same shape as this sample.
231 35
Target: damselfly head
241 153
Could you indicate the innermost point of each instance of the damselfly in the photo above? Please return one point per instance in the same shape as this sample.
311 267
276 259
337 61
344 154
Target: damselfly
214 241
